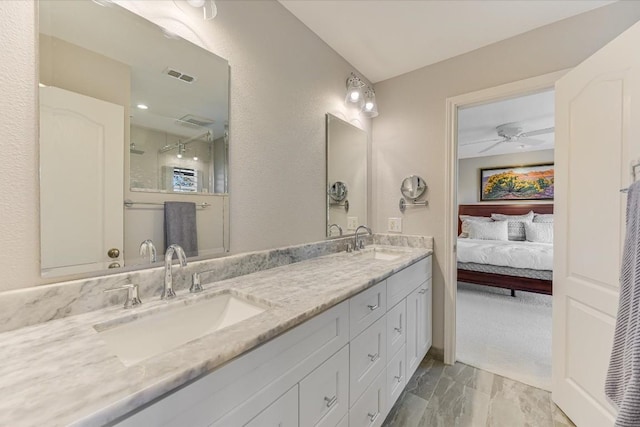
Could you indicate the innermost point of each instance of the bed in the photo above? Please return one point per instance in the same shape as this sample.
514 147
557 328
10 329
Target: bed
518 266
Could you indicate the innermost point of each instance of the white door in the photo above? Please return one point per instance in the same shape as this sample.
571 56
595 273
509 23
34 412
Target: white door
597 137
81 181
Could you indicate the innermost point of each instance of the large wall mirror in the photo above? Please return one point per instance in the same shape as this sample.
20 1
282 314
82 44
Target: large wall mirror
131 117
346 177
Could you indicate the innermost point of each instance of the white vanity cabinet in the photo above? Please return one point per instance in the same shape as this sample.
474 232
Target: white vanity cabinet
345 367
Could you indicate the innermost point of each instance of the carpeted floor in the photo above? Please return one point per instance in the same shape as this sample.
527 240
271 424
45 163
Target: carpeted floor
508 336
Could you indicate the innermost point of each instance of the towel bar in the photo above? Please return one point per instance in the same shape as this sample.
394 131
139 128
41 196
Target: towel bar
130 203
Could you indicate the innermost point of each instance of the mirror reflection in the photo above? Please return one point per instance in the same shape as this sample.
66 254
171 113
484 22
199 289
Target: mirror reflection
413 187
133 121
346 177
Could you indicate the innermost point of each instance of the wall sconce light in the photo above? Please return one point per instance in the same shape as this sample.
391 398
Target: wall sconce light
370 107
354 96
358 96
209 8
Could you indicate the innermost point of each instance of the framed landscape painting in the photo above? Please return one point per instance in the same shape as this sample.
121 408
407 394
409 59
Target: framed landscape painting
531 182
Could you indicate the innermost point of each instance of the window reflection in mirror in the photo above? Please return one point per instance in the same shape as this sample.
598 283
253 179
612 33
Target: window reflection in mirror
127 112
346 176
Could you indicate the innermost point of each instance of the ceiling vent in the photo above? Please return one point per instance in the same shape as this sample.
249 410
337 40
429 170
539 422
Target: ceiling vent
172 72
191 121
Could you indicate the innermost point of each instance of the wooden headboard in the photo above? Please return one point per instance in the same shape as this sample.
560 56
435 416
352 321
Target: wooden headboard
514 209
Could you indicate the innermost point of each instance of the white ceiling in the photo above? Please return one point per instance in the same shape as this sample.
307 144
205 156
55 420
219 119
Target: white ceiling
531 112
386 38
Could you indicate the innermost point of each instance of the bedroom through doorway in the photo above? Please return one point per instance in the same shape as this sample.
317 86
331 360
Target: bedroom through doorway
504 261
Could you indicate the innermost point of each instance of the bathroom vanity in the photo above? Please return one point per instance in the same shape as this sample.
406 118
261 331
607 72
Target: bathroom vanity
330 340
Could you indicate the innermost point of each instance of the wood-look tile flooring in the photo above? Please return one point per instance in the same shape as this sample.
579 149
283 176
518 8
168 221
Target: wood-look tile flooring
461 395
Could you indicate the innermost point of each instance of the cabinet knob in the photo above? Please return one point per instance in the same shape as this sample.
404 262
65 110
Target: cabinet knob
114 265
374 357
373 307
422 291
373 417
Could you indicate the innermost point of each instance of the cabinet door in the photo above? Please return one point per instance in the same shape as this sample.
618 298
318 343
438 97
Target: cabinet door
281 413
324 393
413 352
396 328
371 409
424 326
396 376
367 358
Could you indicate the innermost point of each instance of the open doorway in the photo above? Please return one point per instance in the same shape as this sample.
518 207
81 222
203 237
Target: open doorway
505 184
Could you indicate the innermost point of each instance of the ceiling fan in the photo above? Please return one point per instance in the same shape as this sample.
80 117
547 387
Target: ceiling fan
513 133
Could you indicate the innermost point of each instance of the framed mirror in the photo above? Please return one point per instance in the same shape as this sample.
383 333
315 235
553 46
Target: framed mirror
131 117
413 187
346 177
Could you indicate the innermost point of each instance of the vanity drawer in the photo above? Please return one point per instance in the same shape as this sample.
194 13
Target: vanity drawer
396 376
403 282
324 393
371 409
367 307
281 413
396 328
367 358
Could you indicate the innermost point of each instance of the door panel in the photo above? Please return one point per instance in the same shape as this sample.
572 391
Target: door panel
597 137
81 181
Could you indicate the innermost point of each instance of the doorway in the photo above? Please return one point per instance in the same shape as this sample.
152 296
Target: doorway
508 91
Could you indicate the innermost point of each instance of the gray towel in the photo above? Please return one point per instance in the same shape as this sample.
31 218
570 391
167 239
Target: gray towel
180 226
623 378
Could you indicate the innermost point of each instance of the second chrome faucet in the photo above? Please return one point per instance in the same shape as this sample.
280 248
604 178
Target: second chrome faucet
168 292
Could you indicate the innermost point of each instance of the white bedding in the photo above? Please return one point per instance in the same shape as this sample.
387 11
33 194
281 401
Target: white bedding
536 256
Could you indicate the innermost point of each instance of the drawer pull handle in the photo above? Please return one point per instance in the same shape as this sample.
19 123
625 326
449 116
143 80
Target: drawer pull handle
373 307
374 357
422 291
399 330
398 378
331 401
373 417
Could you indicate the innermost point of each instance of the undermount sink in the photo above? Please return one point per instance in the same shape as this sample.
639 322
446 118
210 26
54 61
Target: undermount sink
380 254
169 328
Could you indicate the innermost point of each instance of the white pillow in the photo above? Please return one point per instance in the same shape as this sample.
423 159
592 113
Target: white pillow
543 218
467 219
497 230
540 232
516 224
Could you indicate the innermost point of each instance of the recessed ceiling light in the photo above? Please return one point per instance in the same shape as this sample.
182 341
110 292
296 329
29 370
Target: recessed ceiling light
142 106
42 85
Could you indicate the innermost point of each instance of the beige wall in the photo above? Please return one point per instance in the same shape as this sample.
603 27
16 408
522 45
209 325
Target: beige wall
283 81
409 134
469 170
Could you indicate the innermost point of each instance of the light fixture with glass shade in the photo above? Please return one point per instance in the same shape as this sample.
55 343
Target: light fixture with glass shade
354 95
370 107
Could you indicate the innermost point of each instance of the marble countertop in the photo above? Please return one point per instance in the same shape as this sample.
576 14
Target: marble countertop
61 372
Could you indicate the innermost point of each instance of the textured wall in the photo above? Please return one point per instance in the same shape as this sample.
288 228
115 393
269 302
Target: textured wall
409 134
283 81
469 170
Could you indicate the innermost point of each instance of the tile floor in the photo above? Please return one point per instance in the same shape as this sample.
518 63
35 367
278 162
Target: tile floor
461 395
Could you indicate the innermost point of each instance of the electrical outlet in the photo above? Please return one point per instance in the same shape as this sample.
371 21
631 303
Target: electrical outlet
352 222
395 225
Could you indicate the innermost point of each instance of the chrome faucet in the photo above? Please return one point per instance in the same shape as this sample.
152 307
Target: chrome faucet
360 245
337 226
148 246
167 292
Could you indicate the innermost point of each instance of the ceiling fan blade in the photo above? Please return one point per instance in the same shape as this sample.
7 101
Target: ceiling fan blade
538 132
529 141
491 147
484 140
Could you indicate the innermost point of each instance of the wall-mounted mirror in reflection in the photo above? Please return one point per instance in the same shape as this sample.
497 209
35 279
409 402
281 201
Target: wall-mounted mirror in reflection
346 177
128 112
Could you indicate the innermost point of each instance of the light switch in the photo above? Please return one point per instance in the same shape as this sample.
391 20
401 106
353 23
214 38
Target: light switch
395 225
352 222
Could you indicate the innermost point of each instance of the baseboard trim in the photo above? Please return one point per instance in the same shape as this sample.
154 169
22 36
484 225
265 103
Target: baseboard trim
436 353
